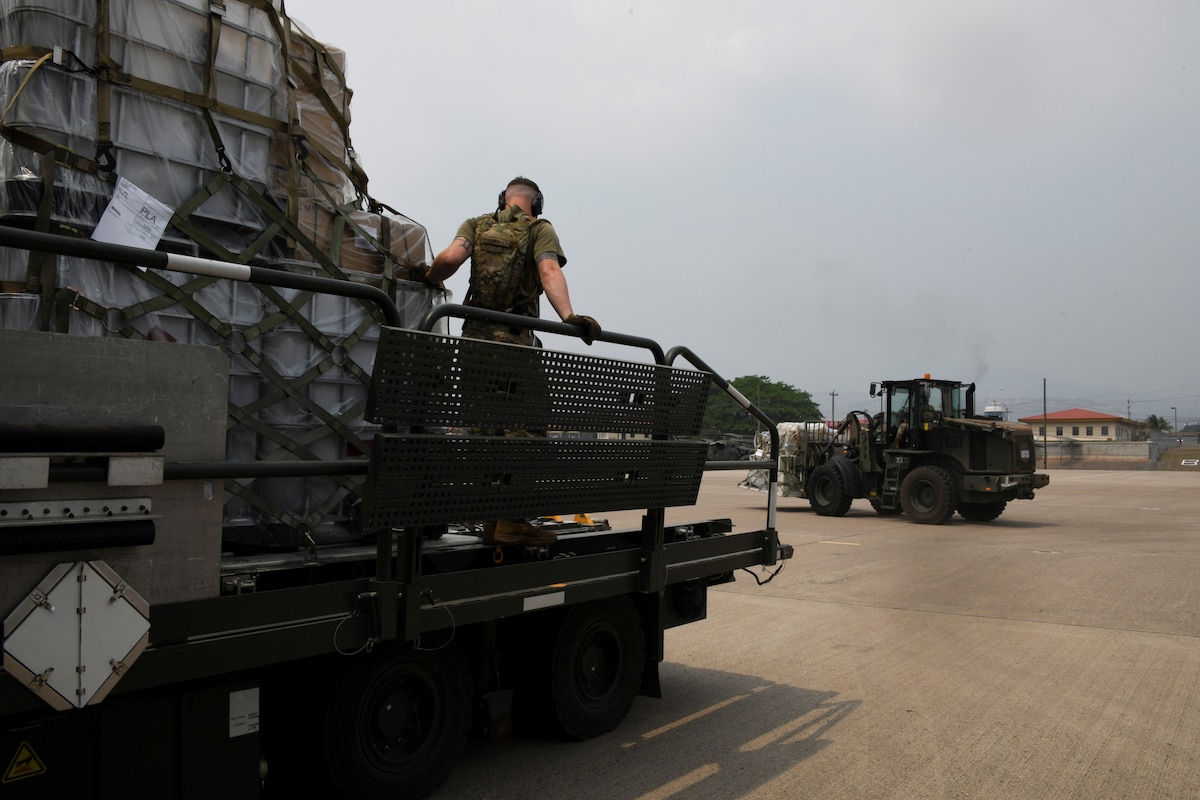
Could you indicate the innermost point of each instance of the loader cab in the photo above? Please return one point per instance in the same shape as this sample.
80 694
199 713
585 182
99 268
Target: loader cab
909 406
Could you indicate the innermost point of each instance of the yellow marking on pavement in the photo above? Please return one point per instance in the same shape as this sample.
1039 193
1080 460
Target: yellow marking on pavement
693 717
682 783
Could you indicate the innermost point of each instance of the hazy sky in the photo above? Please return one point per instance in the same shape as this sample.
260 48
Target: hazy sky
826 193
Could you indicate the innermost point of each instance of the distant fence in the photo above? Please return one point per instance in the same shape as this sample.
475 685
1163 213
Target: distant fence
1167 454
1075 454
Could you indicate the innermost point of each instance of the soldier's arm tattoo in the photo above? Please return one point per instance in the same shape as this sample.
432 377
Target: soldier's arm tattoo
462 242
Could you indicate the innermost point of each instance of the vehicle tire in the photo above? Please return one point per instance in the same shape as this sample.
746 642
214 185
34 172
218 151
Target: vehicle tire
981 512
597 667
827 492
927 495
877 504
851 478
397 721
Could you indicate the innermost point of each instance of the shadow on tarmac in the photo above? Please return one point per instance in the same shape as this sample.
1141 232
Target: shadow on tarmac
866 511
714 734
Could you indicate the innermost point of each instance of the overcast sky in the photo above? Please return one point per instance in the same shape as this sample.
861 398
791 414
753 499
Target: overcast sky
826 193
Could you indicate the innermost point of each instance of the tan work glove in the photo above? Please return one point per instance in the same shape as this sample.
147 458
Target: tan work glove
590 329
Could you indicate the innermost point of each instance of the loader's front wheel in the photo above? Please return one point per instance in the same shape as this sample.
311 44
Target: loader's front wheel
827 491
927 495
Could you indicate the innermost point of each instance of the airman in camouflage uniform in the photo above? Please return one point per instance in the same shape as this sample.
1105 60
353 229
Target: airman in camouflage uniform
517 290
515 258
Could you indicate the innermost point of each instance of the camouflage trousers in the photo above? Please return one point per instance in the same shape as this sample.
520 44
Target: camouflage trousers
490 332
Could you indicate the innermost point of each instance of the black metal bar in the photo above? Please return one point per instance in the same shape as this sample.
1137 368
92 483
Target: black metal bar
237 615
533 323
739 398
770 548
88 472
730 466
313 283
82 248
174 664
697 558
191 470
42 437
57 537
91 471
446 600
139 257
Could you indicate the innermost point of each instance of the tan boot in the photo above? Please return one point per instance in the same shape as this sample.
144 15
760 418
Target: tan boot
517 532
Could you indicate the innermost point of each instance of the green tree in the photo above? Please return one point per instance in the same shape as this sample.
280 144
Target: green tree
780 402
1157 423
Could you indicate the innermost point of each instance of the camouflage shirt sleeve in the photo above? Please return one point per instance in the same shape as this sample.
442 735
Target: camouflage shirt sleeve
467 230
545 240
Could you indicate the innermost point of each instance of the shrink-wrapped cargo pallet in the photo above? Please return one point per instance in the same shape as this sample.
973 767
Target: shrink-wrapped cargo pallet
238 120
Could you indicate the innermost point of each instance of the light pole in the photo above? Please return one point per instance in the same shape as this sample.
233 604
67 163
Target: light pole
1175 430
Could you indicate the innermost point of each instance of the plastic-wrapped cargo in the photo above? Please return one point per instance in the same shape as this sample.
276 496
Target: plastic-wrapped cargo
794 438
362 241
182 92
239 120
165 42
52 107
321 102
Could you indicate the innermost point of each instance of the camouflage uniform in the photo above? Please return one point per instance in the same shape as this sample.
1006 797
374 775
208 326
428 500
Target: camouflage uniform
544 239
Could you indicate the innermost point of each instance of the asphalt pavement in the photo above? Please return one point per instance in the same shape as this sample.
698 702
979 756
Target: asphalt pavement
1053 653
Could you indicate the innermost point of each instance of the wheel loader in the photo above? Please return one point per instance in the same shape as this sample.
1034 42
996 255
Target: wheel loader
926 454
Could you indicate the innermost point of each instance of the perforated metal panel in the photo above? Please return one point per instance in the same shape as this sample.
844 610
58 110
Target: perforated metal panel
422 479
434 380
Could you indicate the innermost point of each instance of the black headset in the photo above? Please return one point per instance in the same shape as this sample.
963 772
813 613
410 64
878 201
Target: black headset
538 199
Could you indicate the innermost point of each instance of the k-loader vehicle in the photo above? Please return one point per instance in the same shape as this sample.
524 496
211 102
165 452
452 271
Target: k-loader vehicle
150 653
926 455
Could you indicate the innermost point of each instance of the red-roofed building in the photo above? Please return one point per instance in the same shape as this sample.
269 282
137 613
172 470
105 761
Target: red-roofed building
1084 425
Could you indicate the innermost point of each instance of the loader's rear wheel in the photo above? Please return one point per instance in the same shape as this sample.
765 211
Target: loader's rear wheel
597 669
981 512
827 491
397 721
927 495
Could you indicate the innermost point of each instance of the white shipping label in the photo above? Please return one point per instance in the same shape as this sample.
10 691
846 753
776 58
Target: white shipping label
243 712
133 218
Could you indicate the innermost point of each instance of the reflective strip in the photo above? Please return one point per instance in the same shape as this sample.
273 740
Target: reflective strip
544 601
206 266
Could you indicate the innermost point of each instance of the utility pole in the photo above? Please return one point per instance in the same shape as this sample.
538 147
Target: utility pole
1045 428
833 406
1175 430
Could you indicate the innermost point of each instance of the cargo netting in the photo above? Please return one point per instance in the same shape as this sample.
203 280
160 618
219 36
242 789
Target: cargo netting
238 118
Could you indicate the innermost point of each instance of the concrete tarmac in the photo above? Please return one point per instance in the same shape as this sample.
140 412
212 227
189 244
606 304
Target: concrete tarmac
1053 653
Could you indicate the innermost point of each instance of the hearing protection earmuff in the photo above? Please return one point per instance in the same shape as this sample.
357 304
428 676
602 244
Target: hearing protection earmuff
538 199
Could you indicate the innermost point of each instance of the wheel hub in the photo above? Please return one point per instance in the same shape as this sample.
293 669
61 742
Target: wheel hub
395 715
595 670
